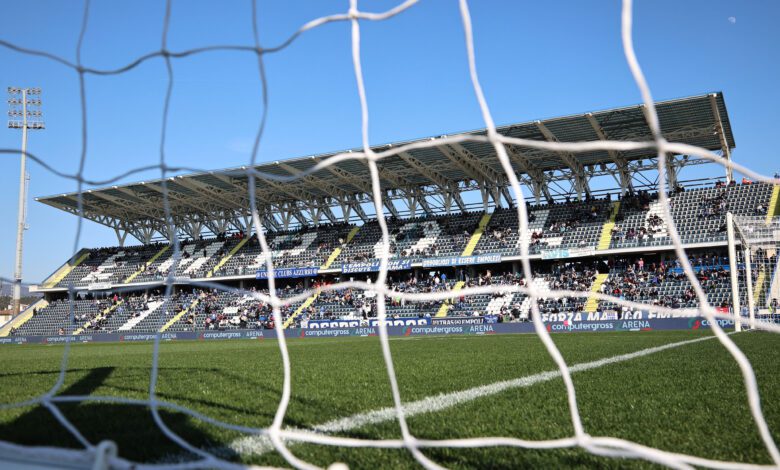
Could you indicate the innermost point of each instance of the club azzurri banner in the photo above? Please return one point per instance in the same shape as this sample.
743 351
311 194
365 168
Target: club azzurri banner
462 260
373 266
289 273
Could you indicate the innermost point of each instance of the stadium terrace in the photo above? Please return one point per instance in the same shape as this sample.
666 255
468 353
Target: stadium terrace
320 232
431 180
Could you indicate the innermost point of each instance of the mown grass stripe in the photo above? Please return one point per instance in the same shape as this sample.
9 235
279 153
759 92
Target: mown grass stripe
258 445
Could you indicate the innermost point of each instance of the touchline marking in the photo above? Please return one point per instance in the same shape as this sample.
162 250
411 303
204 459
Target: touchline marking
258 445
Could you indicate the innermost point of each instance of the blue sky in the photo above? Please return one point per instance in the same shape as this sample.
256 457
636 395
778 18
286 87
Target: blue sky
535 59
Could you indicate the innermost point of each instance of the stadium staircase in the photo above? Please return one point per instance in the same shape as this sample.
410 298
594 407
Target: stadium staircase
592 304
148 263
773 209
179 315
337 251
98 318
445 306
65 269
541 285
22 318
758 289
496 304
483 222
306 303
227 257
606 231
132 322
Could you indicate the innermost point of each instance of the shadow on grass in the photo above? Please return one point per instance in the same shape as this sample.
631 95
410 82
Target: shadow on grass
132 427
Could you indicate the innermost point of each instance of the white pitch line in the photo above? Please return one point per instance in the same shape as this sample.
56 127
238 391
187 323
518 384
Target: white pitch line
258 445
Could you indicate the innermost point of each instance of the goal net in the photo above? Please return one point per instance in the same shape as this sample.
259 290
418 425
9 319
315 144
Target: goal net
103 454
757 239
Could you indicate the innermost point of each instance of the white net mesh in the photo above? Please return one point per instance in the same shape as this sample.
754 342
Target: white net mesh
279 436
759 271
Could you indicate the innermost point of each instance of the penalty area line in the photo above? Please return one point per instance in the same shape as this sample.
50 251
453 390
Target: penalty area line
258 445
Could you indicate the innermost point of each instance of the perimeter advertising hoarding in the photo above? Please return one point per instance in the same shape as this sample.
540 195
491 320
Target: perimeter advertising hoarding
693 323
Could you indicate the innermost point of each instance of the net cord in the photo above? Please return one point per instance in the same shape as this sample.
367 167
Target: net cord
280 436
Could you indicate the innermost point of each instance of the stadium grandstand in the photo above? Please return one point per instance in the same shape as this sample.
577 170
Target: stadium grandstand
451 221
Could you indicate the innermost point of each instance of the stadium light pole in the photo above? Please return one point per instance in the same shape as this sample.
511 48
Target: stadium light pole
28 117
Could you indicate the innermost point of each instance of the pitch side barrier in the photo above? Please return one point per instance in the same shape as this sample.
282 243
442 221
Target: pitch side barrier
465 326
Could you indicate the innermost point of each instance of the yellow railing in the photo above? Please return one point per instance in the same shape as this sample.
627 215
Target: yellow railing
151 260
99 317
445 306
606 231
306 303
228 256
773 209
179 315
65 269
483 222
22 318
337 251
593 303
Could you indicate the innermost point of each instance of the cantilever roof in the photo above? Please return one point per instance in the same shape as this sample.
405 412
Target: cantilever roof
693 120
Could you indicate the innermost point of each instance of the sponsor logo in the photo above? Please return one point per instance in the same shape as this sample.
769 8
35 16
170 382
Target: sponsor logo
324 332
221 335
580 326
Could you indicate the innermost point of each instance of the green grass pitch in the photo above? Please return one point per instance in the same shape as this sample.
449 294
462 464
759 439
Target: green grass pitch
688 399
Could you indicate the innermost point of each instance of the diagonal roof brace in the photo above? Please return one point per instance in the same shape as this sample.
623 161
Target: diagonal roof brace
581 183
89 211
479 171
331 189
126 205
173 196
536 175
417 196
398 182
617 157
724 146
349 179
445 185
214 194
351 203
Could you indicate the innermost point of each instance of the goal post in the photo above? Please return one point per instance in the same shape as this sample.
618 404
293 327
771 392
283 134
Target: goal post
733 271
753 250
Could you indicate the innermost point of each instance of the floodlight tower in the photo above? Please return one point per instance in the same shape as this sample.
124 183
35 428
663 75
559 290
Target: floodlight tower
24 113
